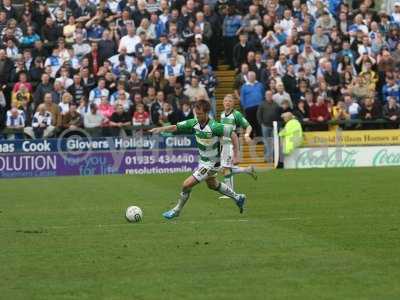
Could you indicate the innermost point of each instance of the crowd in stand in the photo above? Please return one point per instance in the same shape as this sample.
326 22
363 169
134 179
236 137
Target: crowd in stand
107 65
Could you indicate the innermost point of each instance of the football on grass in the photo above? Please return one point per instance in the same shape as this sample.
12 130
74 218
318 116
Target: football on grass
134 214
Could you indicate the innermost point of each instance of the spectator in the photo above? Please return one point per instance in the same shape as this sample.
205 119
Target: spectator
53 109
178 97
168 115
44 87
119 120
93 57
49 33
285 106
319 114
64 79
352 107
358 89
72 119
58 92
202 48
326 23
36 71
391 112
54 62
230 29
370 112
391 89
27 109
100 91
93 121
29 39
10 10
290 83
332 80
141 68
77 90
21 95
140 116
80 47
87 79
22 82
69 30
65 103
209 81
267 113
105 109
195 91
240 51
41 124
6 65
12 50
123 100
205 27
107 46
3 20
302 111
319 39
163 50
173 69
339 113
251 96
281 95
156 108
241 79
15 121
187 112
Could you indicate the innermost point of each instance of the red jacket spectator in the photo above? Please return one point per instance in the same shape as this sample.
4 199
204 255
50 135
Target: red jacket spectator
319 112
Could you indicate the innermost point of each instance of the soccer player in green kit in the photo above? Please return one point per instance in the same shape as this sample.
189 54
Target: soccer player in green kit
233 119
208 134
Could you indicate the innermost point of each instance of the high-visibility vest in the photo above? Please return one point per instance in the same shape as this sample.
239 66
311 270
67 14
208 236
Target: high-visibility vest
292 136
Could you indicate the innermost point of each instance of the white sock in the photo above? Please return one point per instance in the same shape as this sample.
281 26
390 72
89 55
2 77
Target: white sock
239 170
227 191
228 180
183 198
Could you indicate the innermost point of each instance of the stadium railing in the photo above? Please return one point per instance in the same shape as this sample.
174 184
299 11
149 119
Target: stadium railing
353 124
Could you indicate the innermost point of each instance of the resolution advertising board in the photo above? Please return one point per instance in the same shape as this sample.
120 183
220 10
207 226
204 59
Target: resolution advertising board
85 157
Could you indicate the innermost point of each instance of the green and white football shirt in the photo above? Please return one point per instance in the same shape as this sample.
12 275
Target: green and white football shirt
234 120
207 137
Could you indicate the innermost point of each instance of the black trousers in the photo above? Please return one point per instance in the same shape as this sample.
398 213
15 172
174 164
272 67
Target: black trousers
251 116
229 43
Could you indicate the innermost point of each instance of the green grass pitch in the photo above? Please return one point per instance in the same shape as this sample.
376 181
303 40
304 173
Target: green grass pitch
312 234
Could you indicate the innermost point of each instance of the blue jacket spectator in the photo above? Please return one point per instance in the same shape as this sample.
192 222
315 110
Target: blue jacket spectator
391 88
251 96
231 25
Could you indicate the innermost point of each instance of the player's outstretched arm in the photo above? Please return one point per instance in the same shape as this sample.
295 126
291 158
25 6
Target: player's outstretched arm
235 143
247 134
171 128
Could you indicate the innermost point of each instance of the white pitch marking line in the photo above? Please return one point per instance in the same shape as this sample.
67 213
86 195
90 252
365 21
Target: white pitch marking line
44 228
83 226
